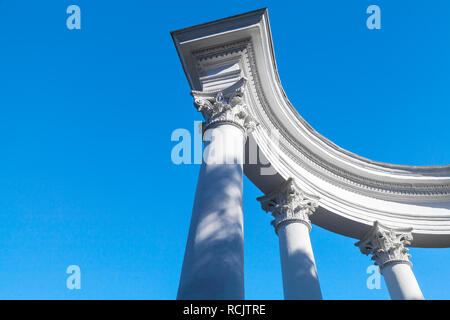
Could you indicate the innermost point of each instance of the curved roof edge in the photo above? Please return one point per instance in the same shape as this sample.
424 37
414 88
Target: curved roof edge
354 191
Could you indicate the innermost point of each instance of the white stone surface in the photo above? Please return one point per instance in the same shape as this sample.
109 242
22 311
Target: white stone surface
213 266
300 280
401 282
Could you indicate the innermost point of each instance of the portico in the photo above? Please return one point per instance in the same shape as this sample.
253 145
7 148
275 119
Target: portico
231 69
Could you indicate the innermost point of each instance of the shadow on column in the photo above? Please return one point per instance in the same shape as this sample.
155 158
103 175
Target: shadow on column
213 266
300 280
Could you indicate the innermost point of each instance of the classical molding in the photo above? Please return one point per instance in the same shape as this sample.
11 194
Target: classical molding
225 106
289 204
303 156
386 245
330 172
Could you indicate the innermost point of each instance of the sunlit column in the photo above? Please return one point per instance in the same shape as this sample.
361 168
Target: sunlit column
291 209
213 266
387 247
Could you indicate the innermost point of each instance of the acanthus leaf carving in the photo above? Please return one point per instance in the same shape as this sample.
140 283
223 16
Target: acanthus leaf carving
289 204
386 245
225 106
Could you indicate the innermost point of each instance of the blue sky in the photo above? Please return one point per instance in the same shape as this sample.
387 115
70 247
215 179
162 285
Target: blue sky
86 118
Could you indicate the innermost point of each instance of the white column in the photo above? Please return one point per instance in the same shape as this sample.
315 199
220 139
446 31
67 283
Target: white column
213 266
291 209
387 246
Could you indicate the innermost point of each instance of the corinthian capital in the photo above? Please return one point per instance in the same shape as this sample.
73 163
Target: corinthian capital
289 204
225 106
386 245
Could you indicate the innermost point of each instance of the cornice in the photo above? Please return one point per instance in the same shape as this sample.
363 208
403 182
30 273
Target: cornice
354 191
326 170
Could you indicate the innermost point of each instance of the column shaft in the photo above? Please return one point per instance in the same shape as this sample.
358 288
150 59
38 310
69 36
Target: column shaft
300 280
213 266
401 282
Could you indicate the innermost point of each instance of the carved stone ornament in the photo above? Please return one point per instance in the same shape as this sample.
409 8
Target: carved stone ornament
289 204
386 245
225 106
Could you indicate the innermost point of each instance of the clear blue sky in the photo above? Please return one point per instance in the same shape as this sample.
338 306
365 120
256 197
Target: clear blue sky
86 117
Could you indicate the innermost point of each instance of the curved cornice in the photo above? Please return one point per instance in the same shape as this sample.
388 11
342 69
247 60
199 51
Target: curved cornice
355 188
